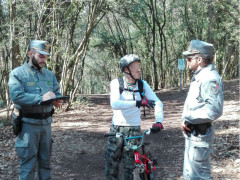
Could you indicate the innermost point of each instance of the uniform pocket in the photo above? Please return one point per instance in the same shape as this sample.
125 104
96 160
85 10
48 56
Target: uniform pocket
21 146
31 87
201 153
46 86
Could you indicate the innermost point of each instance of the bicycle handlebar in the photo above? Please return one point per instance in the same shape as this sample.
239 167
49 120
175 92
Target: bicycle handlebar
132 137
133 147
109 134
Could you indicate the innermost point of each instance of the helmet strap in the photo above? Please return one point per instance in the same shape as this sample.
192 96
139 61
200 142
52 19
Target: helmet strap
130 74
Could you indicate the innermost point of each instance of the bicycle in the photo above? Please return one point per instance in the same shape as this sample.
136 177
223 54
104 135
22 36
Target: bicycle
144 166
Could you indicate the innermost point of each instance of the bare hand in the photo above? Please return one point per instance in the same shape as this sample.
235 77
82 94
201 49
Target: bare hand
57 103
48 95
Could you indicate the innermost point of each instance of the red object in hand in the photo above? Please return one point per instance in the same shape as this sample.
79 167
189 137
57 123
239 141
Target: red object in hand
144 102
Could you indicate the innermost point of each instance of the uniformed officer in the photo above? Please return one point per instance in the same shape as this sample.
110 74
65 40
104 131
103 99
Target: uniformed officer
127 116
30 85
203 105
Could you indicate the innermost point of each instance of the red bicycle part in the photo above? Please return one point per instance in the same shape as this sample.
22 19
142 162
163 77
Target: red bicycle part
143 161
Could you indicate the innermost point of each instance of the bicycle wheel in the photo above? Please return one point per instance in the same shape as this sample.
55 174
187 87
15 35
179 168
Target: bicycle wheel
151 176
144 176
138 175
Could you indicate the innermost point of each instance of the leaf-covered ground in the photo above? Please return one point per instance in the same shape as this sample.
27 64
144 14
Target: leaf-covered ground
79 145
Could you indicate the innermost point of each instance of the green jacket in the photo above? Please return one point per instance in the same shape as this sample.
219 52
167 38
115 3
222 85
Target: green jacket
27 87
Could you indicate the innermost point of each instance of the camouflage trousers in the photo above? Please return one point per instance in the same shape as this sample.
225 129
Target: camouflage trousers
117 151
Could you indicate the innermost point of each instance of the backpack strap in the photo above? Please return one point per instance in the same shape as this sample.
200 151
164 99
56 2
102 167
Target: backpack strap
121 85
140 87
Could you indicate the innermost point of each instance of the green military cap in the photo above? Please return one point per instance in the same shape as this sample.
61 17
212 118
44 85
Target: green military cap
42 47
199 47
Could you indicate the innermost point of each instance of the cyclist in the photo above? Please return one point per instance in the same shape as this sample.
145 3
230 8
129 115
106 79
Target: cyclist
127 115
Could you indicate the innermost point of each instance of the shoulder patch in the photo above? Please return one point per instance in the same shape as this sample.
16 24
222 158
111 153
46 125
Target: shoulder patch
213 87
30 83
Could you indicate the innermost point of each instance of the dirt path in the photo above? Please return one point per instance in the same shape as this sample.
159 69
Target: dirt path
79 145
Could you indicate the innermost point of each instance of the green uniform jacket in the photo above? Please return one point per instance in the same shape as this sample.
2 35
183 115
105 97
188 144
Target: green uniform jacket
204 102
27 86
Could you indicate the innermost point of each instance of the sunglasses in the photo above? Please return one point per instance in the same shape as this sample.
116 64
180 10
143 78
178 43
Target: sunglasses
190 58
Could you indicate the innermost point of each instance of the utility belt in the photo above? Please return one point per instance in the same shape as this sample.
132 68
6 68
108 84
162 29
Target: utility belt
197 129
38 115
18 115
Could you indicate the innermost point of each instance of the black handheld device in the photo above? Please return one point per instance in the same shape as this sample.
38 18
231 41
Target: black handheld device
64 98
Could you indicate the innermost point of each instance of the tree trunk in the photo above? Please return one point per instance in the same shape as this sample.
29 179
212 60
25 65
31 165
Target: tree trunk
153 6
70 66
15 51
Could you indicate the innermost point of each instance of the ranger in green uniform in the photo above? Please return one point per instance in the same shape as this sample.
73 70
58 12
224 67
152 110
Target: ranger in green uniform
203 105
29 86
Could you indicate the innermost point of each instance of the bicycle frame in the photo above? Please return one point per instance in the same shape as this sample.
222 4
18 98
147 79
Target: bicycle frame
134 147
141 160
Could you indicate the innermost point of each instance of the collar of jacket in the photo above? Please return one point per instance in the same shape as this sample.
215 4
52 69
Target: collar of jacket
203 70
31 68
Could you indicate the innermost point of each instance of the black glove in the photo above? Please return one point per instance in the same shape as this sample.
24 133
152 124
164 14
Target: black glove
157 127
145 102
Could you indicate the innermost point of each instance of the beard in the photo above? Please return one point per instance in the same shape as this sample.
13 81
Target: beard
35 63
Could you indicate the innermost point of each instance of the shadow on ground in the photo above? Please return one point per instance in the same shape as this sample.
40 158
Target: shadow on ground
79 145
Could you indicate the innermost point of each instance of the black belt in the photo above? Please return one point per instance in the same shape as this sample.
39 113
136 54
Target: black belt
38 115
199 128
